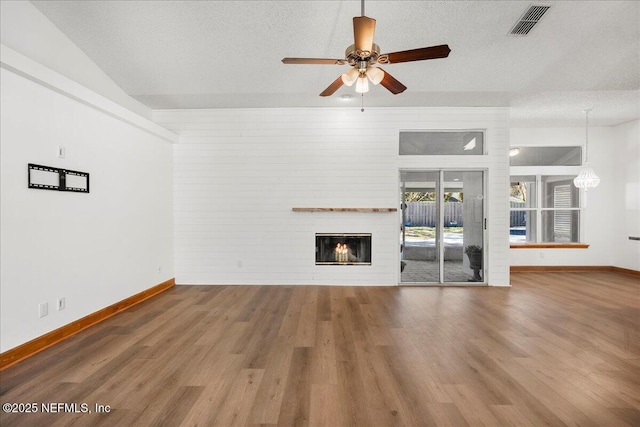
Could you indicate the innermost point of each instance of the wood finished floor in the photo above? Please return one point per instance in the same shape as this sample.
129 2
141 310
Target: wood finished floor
555 349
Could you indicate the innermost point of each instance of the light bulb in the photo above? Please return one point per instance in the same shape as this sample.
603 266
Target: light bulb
362 85
349 78
375 75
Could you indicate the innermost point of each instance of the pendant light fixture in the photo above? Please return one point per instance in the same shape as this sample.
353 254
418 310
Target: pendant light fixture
586 178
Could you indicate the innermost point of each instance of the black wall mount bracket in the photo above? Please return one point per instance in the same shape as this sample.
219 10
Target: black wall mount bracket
57 179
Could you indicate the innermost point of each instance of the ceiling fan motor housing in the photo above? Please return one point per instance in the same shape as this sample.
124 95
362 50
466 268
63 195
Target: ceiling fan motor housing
355 56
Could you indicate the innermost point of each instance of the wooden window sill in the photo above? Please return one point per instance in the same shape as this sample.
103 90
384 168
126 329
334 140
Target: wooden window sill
549 246
344 209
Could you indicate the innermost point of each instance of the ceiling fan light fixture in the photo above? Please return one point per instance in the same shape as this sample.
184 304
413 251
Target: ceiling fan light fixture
375 75
362 85
364 54
350 77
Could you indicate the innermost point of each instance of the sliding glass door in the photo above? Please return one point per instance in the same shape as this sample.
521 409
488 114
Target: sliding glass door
442 227
420 261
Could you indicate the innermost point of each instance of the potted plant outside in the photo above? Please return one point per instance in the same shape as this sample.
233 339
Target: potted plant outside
474 253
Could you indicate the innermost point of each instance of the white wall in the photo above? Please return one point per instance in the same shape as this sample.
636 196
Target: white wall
238 173
627 195
602 204
93 249
26 30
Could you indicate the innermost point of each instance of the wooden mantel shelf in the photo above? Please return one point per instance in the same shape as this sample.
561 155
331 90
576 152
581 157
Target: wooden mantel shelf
344 209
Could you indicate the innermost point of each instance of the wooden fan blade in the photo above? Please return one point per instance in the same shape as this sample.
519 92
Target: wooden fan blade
333 87
392 85
321 61
363 29
433 52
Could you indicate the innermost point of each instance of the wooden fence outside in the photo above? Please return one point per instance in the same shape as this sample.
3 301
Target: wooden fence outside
518 218
424 214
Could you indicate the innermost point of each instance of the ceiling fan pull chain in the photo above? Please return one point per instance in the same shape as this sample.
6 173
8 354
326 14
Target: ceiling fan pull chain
362 103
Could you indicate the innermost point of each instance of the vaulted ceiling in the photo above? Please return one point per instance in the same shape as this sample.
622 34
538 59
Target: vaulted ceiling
225 54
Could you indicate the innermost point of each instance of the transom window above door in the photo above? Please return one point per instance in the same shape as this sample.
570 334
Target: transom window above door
441 143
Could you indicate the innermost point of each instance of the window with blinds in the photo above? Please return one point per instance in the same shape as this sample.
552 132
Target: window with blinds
562 218
550 201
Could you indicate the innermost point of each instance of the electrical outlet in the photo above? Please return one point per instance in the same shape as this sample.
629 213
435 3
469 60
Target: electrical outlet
541 254
43 309
61 304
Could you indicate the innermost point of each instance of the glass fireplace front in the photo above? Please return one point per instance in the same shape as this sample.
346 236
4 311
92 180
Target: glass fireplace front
343 249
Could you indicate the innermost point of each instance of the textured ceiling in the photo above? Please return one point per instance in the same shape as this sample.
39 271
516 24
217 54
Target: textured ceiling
212 54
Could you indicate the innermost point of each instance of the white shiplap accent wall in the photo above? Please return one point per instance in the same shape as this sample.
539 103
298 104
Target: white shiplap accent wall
238 173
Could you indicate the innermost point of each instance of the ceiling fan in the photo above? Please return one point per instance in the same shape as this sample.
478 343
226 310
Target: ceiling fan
363 56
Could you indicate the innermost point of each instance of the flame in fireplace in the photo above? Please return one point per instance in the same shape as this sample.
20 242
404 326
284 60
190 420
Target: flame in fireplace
341 252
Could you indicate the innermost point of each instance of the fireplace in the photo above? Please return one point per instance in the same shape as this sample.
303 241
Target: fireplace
343 249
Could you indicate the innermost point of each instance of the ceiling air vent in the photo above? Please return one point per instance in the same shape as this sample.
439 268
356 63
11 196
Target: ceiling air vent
529 20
